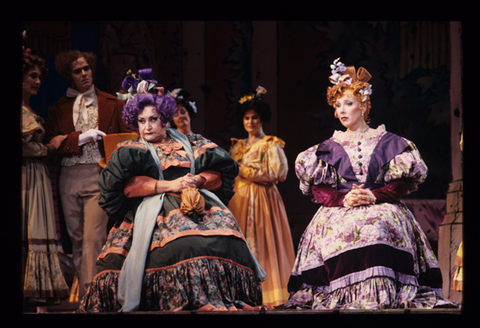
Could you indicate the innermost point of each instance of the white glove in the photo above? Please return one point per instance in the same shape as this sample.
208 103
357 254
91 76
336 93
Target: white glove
89 136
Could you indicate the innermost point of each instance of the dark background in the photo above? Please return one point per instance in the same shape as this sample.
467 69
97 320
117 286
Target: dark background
216 61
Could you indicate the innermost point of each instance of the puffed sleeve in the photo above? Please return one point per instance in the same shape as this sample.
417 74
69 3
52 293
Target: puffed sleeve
272 164
125 163
31 148
312 171
210 157
31 127
407 164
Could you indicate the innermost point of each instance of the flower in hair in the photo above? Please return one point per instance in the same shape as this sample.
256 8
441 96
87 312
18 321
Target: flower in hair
193 105
366 92
338 73
175 93
137 84
338 66
260 91
246 98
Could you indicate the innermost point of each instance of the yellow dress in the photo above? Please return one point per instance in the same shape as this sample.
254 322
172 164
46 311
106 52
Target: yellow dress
457 283
260 212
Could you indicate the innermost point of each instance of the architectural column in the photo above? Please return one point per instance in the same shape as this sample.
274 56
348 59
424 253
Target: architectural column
451 229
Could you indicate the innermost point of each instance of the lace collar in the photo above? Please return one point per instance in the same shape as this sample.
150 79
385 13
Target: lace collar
348 136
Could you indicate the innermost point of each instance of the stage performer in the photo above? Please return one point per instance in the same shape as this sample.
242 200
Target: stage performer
84 114
186 111
175 246
363 249
43 281
257 205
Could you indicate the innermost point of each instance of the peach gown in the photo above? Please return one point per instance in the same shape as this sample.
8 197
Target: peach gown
258 207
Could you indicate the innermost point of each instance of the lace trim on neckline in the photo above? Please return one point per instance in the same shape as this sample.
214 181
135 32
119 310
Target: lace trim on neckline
347 136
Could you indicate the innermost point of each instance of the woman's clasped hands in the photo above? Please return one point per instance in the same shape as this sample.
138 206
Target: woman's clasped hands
187 181
359 196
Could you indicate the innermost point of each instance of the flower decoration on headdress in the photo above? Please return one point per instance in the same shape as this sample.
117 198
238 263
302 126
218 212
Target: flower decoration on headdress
137 84
246 98
338 73
178 94
259 92
347 74
193 105
366 92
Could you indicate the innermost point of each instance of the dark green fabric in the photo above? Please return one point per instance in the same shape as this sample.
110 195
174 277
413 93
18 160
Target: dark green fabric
134 160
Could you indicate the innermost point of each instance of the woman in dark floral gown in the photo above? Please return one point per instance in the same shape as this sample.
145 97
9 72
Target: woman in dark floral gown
175 245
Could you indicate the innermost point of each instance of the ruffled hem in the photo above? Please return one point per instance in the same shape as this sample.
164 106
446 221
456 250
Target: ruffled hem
44 281
374 293
201 285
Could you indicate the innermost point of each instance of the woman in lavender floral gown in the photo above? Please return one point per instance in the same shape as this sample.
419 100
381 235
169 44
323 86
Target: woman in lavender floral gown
363 248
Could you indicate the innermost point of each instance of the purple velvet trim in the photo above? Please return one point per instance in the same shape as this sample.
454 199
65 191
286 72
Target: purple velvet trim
386 149
353 263
389 146
333 153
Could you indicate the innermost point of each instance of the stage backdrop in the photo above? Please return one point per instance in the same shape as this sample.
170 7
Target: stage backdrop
216 61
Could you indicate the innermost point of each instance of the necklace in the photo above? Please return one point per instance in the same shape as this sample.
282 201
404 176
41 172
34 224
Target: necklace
366 129
247 143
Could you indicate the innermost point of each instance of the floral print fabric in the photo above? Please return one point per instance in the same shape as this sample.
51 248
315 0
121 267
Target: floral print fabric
90 153
372 256
194 262
190 285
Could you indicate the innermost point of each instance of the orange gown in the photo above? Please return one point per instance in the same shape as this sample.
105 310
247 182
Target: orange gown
260 212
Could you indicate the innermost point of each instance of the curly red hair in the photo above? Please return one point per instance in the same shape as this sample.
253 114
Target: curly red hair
338 91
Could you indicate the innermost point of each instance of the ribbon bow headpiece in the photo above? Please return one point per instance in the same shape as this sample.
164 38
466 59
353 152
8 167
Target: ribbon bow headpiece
347 74
138 84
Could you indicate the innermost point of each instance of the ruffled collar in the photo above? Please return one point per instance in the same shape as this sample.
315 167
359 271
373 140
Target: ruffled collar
242 146
348 136
174 146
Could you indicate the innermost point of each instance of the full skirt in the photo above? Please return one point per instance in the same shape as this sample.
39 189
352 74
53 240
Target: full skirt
198 263
44 282
261 215
366 257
